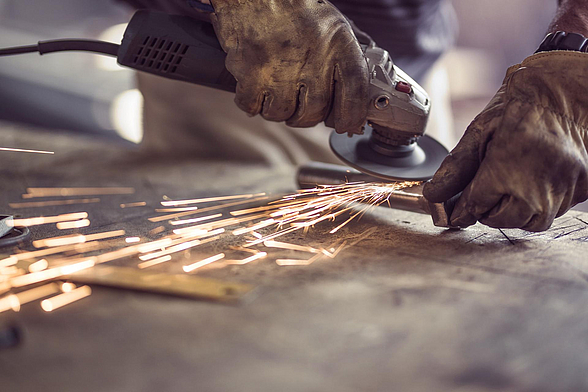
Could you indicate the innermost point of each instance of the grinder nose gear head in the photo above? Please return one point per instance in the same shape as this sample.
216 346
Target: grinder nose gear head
416 162
393 146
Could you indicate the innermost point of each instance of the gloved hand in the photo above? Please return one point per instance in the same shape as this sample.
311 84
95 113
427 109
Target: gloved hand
523 161
295 60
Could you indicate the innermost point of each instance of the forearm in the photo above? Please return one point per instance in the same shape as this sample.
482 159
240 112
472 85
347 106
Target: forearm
572 17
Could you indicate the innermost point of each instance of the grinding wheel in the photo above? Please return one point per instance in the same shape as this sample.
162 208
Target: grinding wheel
419 165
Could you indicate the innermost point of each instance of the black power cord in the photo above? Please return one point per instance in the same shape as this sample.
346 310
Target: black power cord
64 45
172 46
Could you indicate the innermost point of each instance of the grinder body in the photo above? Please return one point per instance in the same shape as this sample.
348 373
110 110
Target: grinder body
393 145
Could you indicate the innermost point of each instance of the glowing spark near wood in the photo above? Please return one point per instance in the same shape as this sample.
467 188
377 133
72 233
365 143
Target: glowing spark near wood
213 208
38 266
67 287
192 267
37 293
151 263
257 256
56 192
28 151
35 204
52 273
76 239
9 302
49 305
294 262
13 259
157 230
42 220
131 205
170 250
175 203
284 245
73 225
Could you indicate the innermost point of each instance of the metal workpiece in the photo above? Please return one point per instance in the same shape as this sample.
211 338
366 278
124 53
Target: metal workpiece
408 199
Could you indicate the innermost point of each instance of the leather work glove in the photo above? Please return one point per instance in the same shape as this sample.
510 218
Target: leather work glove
295 60
523 161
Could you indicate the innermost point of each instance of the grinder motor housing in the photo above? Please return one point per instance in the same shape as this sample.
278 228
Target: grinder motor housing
392 146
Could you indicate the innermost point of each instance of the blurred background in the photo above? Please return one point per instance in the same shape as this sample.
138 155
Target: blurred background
73 91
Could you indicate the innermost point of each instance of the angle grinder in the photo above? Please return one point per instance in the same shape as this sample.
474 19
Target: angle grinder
393 146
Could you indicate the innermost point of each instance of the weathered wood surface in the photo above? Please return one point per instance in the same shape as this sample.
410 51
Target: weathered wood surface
409 308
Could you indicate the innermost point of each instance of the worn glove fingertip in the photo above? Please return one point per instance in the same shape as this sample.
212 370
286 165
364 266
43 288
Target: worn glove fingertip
432 192
462 218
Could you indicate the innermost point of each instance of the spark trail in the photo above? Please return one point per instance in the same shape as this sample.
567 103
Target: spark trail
254 228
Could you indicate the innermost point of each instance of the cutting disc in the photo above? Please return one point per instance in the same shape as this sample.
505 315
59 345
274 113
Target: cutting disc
420 165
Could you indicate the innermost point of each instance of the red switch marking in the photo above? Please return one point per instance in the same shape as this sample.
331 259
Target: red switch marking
404 87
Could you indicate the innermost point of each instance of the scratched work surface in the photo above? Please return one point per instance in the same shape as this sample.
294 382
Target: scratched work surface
409 308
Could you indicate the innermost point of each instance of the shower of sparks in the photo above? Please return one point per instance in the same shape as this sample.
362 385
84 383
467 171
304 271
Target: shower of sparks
29 151
254 232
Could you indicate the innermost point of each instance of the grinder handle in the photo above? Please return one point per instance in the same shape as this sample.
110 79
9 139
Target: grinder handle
175 47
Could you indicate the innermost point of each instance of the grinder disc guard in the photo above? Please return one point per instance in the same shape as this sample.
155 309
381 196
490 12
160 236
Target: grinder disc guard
419 165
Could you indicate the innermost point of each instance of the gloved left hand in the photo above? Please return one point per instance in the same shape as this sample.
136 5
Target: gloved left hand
523 161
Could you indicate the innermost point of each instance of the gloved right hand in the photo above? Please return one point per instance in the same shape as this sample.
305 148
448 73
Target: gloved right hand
294 60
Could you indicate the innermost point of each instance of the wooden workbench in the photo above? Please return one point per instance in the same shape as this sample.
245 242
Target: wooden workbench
409 308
